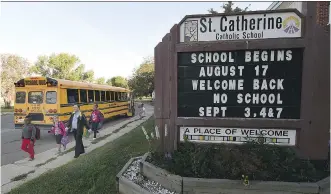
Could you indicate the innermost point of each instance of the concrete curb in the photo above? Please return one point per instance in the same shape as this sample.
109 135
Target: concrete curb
6 113
48 160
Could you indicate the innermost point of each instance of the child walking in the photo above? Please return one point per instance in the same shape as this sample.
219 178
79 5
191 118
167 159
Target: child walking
59 131
28 137
95 120
142 111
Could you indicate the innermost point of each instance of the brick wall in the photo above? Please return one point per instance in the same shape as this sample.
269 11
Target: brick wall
323 14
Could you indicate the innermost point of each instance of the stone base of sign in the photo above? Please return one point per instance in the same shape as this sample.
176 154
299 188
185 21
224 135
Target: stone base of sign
126 186
131 181
189 185
164 178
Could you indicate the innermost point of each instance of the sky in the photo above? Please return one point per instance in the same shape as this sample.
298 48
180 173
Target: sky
111 38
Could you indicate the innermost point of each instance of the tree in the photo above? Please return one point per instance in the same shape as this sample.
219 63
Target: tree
108 82
62 66
142 80
100 80
228 8
13 68
119 81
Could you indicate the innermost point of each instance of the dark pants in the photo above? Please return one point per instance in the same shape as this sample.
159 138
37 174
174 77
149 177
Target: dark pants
79 148
58 138
95 129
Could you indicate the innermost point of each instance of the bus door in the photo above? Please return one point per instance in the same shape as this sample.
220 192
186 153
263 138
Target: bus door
36 105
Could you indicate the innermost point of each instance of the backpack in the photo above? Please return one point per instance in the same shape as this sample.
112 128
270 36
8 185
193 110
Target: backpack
37 133
101 119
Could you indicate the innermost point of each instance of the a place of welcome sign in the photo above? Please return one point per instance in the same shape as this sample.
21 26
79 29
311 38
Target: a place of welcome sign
238 135
241 27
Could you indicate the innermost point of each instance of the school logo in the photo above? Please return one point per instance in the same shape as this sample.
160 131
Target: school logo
291 25
191 31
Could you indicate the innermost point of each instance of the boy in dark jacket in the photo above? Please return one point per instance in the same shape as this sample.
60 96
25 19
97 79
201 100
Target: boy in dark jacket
95 119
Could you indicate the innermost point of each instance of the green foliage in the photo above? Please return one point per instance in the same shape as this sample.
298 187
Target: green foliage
100 80
228 8
142 80
118 81
62 66
108 82
13 68
255 160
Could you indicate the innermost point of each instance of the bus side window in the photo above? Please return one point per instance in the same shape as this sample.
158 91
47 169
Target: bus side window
72 96
117 96
90 96
103 96
83 96
112 96
108 96
97 95
122 96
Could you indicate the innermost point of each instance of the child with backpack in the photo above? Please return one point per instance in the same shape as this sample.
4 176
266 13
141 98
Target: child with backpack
29 132
59 131
96 120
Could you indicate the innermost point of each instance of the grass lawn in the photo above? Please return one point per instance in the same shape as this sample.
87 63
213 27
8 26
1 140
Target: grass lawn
3 109
94 172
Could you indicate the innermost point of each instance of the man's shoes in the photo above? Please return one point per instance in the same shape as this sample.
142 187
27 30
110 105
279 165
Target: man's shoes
76 156
94 138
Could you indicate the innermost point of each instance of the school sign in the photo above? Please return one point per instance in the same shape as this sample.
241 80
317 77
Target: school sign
253 76
241 27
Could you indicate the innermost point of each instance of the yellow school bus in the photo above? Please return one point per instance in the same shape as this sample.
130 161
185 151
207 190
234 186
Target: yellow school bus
44 97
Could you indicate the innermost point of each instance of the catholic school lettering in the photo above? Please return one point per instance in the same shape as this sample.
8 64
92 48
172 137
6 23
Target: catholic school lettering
244 84
252 26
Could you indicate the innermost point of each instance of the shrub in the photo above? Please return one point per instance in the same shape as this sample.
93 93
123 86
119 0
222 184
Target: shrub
229 161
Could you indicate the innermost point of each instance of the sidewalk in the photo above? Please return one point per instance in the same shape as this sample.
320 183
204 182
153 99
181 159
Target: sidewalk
13 175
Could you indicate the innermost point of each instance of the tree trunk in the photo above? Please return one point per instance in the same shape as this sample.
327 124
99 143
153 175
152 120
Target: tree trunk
7 103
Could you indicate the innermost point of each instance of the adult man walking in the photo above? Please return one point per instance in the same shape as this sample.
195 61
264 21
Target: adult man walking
76 124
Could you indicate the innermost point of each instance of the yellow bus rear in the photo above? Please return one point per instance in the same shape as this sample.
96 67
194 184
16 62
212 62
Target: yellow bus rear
37 97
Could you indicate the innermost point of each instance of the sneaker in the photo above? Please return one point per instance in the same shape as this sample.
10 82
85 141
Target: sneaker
30 159
94 138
